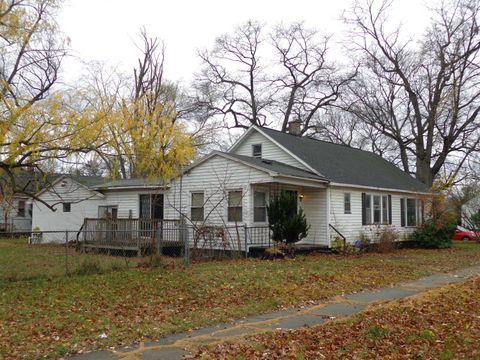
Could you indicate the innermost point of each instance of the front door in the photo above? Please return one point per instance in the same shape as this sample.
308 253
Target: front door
157 206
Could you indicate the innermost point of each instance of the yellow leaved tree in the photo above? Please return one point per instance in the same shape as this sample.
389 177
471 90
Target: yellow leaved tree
143 138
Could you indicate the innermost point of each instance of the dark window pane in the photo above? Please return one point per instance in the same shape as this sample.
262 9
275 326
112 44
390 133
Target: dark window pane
411 212
257 150
66 207
376 209
21 208
385 209
234 214
197 214
347 206
368 209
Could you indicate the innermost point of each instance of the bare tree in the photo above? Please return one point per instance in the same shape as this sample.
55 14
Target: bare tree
232 81
268 79
424 95
307 82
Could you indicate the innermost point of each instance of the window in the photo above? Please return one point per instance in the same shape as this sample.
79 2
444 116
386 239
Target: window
21 208
411 212
235 206
376 209
368 209
151 206
107 212
257 150
347 204
259 207
196 210
67 207
385 209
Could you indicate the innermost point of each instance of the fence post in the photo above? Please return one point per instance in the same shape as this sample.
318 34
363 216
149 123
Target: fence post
66 252
184 239
246 239
159 238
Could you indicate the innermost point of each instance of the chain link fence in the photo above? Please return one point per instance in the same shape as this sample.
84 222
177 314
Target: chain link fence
101 246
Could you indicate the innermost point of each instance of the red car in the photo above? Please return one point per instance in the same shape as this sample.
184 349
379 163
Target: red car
464 234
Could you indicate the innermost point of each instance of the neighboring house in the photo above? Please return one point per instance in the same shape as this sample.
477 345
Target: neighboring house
352 190
15 203
470 209
75 198
16 214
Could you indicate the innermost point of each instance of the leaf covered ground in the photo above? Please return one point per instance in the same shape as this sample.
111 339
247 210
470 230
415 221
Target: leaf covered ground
443 324
52 317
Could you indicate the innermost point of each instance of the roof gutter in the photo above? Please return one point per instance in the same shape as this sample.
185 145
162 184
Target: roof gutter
380 188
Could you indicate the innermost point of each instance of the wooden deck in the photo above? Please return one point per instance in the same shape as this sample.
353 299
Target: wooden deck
113 235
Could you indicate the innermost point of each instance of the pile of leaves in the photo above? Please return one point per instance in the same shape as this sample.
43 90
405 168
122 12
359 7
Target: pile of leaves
443 324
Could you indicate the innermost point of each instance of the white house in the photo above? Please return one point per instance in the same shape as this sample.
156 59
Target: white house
338 187
71 199
15 201
16 214
343 192
469 209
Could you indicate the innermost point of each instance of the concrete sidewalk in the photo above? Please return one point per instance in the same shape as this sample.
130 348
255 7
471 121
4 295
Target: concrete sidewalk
175 346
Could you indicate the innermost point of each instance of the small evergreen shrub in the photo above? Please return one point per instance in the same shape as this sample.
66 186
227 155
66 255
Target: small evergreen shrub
434 235
287 225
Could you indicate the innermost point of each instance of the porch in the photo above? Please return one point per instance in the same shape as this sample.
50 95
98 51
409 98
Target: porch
311 197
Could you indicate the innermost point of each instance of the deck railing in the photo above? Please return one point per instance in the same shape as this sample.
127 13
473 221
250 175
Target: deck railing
124 232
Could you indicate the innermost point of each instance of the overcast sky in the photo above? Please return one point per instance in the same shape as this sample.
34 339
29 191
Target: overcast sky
105 30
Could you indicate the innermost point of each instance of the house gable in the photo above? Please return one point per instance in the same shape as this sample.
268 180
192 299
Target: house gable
270 149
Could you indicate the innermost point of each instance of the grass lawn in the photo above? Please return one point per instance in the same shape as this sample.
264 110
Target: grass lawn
441 324
55 316
20 261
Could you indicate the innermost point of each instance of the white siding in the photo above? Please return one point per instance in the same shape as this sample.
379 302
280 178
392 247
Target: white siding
470 208
84 203
215 177
9 217
269 150
314 205
126 200
350 225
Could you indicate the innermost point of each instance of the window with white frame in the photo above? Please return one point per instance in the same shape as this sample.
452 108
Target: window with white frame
21 208
411 212
67 207
257 150
259 206
234 206
376 209
197 206
347 203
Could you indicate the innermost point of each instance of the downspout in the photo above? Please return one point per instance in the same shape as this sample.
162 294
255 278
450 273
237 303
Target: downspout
328 217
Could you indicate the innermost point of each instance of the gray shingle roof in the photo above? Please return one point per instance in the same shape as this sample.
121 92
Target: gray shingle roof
346 165
278 167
